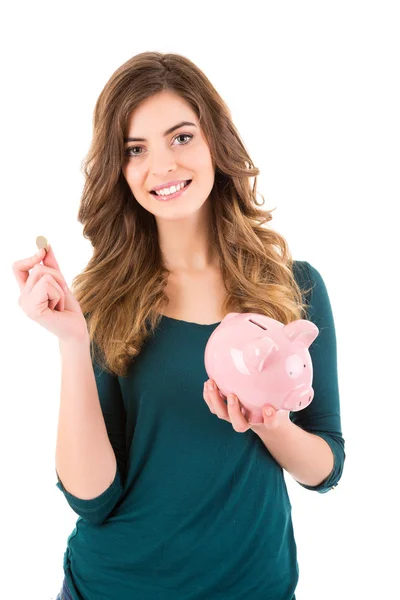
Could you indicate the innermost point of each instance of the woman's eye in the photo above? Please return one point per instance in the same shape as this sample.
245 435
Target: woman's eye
181 135
185 135
127 151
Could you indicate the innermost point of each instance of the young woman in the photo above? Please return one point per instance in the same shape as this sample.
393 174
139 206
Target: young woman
179 497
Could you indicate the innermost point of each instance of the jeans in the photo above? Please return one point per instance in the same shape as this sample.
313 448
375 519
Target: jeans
64 594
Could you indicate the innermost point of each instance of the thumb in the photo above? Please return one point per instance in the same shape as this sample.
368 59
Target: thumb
49 259
269 417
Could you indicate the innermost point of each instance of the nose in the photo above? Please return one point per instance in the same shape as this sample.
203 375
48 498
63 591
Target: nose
162 162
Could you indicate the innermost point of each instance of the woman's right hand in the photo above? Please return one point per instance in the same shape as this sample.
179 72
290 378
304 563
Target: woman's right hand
44 299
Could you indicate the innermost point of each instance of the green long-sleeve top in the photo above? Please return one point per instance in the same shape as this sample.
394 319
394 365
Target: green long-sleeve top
197 511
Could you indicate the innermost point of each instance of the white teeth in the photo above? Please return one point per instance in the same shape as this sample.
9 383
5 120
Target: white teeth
171 190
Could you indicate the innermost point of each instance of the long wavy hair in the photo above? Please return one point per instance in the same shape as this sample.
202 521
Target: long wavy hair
121 290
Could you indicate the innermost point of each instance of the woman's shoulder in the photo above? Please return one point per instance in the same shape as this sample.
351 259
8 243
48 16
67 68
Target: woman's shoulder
309 280
306 272
302 272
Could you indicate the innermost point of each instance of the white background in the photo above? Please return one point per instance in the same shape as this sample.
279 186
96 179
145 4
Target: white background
314 91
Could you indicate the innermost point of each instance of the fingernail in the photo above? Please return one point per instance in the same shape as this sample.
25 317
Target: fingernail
231 400
211 385
268 412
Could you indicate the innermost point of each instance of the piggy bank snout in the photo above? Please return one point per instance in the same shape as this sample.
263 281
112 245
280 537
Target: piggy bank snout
299 399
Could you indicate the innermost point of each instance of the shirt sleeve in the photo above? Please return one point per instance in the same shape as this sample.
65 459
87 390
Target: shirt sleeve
96 510
322 416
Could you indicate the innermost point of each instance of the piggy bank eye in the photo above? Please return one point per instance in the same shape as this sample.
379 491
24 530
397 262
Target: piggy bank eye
294 366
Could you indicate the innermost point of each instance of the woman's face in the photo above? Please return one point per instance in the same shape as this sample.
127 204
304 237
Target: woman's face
160 157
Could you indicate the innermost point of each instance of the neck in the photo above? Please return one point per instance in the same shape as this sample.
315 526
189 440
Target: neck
186 243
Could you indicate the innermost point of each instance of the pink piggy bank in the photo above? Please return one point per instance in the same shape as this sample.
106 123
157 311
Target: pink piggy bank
262 361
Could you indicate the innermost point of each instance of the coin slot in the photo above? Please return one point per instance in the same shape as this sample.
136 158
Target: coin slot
258 325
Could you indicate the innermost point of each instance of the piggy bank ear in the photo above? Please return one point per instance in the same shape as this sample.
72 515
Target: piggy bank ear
302 331
258 353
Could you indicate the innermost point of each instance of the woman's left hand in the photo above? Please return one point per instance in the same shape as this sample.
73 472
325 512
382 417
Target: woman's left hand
232 411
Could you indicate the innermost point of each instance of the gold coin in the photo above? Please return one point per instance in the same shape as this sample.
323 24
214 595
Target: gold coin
41 242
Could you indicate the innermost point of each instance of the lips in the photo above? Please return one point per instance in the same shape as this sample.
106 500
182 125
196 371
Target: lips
166 195
167 198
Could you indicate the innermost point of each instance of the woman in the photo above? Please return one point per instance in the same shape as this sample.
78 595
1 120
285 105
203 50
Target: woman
198 507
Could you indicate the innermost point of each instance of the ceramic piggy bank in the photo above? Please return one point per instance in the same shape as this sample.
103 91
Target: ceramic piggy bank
262 361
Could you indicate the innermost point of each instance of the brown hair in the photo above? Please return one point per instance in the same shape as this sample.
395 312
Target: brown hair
120 290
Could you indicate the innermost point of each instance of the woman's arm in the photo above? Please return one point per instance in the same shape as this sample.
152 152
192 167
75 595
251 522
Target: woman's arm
313 435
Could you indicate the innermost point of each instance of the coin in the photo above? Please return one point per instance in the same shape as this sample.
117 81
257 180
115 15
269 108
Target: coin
41 242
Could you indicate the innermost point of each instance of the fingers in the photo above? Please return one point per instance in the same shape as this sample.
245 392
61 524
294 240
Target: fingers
55 297
22 267
238 420
39 271
206 398
216 405
231 412
50 260
29 270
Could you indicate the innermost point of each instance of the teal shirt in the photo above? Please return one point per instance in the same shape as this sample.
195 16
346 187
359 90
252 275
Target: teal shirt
197 511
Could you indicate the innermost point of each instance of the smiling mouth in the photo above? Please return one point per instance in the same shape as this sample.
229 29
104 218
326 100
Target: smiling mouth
166 195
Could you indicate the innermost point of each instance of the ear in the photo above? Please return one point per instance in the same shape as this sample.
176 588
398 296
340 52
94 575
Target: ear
258 353
301 331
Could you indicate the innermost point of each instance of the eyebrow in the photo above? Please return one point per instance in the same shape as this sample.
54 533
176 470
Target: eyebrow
170 130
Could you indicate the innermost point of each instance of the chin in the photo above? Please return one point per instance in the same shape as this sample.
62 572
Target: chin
176 214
